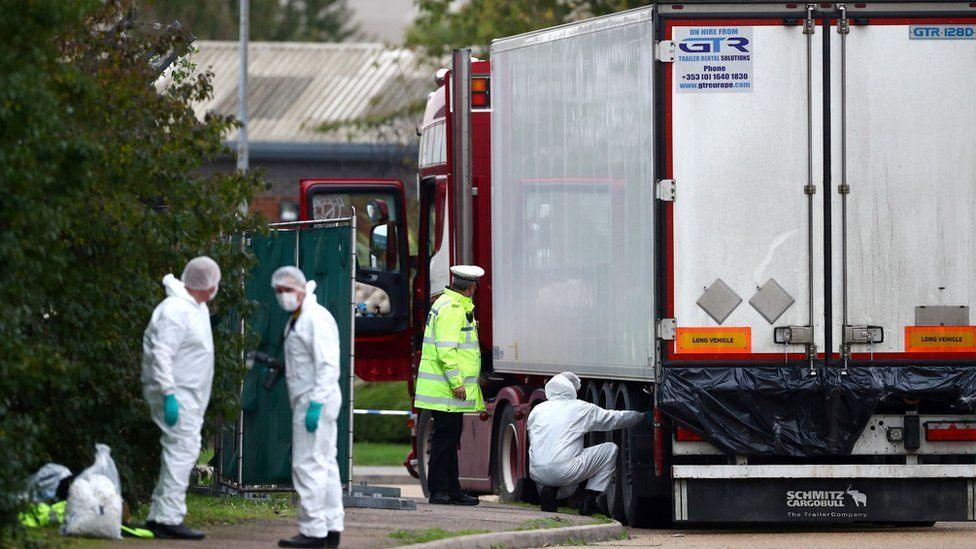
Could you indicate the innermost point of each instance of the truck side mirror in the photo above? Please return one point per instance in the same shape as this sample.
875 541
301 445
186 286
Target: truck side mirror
378 211
378 240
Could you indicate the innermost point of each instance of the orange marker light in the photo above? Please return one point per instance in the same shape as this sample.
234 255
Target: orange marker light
479 84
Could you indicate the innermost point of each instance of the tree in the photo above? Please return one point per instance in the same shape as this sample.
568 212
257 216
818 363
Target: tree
274 20
101 196
442 25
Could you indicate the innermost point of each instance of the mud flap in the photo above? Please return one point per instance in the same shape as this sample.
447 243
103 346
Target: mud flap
818 500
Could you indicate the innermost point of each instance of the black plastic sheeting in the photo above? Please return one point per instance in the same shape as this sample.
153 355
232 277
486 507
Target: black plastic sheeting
781 411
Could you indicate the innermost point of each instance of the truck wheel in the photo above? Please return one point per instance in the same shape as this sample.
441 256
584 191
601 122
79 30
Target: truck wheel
614 503
425 426
635 466
592 395
508 456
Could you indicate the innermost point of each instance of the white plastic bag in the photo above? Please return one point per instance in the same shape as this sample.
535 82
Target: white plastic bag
94 506
104 465
42 487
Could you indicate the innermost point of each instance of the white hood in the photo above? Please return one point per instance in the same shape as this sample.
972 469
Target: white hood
562 387
175 288
310 292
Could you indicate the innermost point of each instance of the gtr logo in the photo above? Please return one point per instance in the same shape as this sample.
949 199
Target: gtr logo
944 31
714 45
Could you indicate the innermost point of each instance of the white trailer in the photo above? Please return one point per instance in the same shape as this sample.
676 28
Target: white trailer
763 214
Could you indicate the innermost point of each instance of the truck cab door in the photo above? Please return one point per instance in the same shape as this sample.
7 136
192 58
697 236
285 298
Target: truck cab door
382 294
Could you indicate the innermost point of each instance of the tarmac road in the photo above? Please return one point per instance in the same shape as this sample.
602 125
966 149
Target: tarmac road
941 536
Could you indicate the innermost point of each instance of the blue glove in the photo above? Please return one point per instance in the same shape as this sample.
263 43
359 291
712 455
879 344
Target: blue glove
171 409
312 416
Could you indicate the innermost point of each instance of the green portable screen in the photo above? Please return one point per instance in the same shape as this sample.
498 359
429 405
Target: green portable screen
324 256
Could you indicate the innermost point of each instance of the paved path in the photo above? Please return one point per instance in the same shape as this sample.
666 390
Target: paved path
383 475
365 528
943 535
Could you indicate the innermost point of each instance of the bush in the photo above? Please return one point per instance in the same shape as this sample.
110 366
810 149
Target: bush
381 395
100 198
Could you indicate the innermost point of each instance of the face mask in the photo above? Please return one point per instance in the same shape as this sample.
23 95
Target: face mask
288 301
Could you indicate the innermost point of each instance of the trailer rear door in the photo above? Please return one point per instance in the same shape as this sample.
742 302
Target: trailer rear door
738 149
911 169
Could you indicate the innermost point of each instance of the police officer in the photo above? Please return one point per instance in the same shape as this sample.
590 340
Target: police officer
447 381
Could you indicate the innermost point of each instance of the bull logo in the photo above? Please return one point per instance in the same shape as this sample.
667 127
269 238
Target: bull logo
860 498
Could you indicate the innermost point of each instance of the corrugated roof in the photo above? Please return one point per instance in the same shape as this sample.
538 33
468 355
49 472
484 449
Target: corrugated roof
297 89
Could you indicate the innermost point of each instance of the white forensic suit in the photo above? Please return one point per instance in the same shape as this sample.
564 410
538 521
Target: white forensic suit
312 373
178 359
556 428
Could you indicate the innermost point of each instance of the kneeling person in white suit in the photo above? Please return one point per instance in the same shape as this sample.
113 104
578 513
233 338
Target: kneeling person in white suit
557 459
312 373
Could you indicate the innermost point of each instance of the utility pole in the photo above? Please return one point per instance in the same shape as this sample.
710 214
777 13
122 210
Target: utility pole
242 153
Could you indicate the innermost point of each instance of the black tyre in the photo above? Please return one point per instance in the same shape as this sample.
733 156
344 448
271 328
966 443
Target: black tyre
425 426
509 452
592 395
613 495
642 505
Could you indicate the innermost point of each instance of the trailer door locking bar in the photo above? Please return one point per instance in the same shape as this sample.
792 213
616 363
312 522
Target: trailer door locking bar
793 335
864 334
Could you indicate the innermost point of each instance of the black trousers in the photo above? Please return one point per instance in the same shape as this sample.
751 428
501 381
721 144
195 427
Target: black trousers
442 467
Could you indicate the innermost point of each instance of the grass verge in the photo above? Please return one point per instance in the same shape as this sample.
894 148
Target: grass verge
424 535
203 510
545 523
205 456
379 453
600 519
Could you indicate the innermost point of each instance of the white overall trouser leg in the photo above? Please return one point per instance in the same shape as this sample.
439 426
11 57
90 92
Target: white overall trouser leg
599 463
315 473
595 465
181 450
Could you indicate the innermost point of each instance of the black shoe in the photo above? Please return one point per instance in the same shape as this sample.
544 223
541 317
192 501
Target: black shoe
547 497
301 540
439 499
463 499
167 531
332 541
589 504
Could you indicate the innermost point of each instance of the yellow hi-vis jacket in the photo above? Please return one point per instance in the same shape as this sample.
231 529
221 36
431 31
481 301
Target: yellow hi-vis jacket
451 357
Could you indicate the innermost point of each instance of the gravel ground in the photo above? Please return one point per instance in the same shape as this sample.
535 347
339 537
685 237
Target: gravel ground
941 536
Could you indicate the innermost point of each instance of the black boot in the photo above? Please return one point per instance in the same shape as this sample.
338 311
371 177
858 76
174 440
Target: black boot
439 498
168 531
461 498
301 540
589 504
547 498
332 540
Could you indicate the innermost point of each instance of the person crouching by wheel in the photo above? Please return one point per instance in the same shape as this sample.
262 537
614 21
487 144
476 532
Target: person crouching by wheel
312 375
447 381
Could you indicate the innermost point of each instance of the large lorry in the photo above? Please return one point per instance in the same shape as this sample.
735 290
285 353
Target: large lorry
755 219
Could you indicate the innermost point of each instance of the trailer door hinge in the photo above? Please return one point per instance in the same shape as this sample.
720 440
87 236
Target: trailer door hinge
664 51
667 329
665 190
